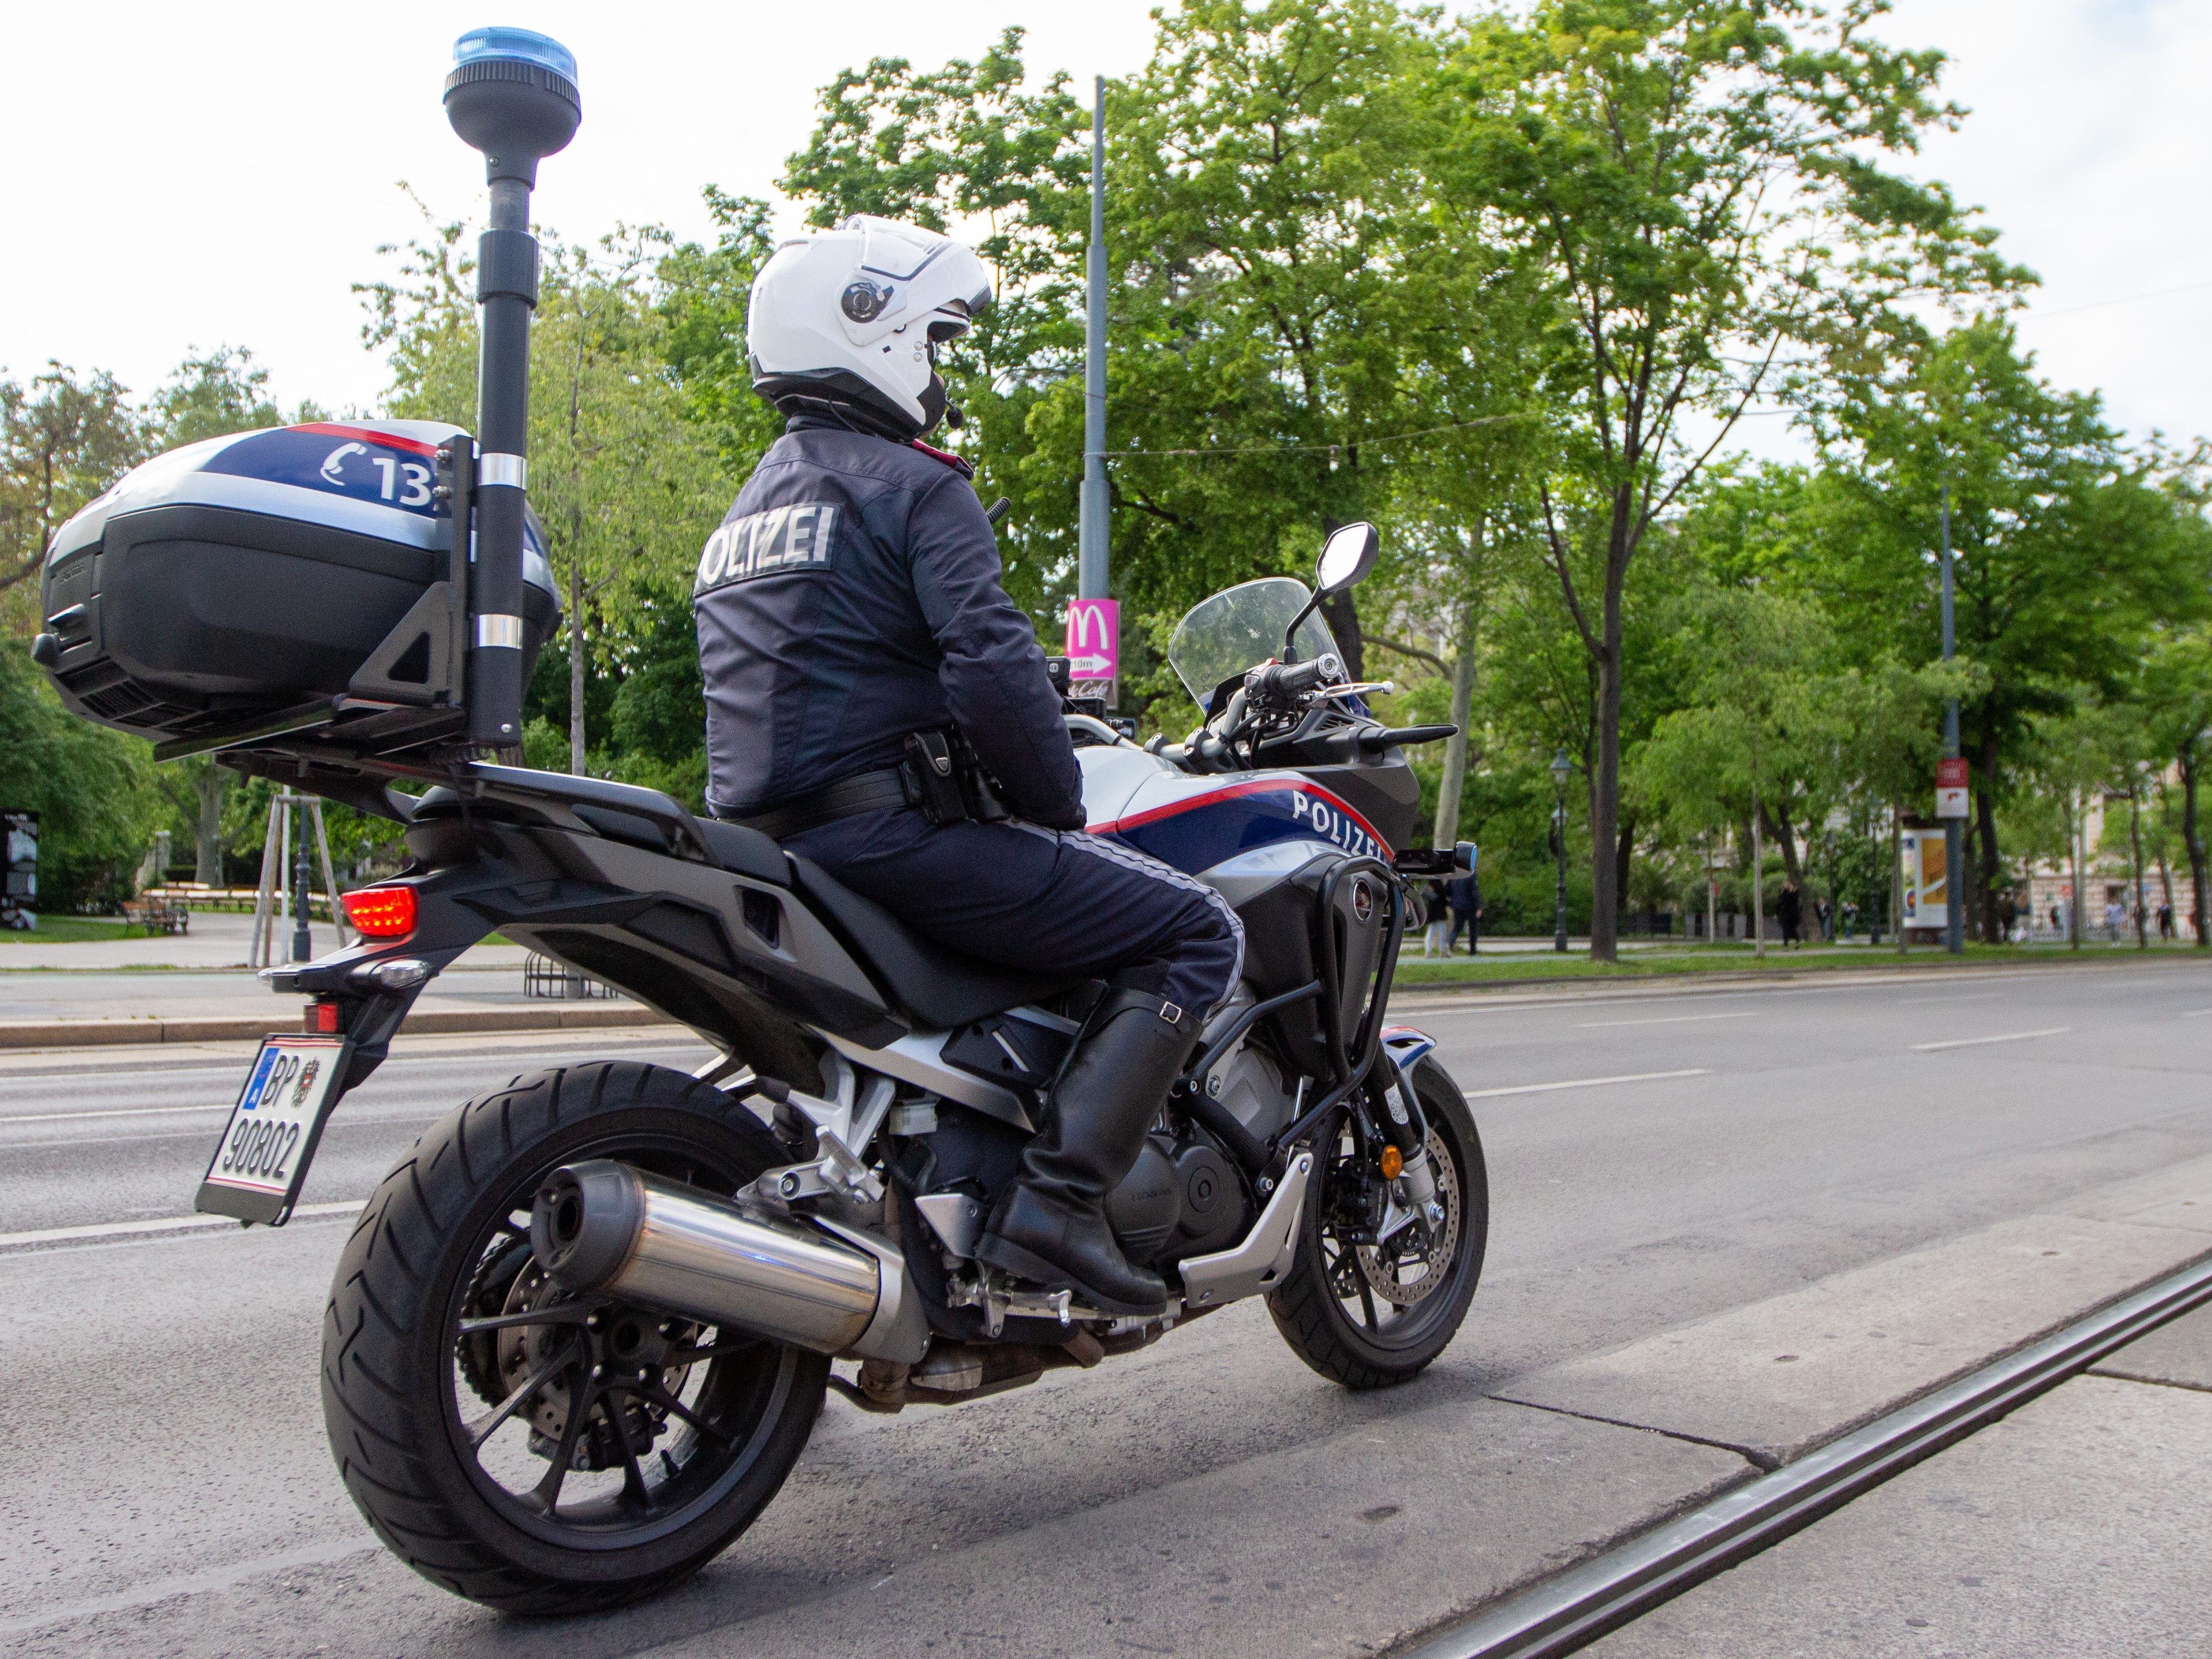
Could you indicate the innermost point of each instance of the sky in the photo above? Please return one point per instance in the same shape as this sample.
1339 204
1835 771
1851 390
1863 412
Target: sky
225 174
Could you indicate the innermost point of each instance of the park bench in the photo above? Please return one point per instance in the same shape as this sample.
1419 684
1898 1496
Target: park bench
157 915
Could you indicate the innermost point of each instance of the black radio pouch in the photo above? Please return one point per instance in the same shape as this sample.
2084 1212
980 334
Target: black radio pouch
933 783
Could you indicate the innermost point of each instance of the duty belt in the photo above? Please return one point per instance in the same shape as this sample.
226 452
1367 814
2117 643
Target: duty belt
869 792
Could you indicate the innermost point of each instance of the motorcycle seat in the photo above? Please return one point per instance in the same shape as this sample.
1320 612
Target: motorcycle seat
624 812
745 852
940 987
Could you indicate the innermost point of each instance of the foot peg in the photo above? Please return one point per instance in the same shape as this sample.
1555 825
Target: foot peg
1000 1297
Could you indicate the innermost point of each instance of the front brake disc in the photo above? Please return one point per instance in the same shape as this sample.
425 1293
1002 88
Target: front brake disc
1382 1267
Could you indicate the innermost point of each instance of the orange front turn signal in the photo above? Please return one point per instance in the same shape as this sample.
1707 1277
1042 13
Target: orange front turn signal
1393 1163
381 912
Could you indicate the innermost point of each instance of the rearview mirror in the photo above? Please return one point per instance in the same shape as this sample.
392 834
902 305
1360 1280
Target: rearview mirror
1346 558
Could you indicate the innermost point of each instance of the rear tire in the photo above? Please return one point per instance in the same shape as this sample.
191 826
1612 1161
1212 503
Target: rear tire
1331 1307
405 1390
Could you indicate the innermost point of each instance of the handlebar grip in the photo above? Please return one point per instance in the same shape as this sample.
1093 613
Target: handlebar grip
1375 742
1286 679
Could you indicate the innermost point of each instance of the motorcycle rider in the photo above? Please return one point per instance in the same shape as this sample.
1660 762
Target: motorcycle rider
850 601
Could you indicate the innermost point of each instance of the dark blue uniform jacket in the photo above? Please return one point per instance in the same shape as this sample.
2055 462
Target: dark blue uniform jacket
851 597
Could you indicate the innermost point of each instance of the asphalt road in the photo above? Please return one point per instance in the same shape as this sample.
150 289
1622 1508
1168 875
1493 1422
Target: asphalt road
166 1487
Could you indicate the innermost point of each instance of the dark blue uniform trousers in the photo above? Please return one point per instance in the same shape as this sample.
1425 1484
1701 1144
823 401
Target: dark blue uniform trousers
1054 900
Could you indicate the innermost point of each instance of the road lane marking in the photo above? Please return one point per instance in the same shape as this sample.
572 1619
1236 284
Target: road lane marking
124 1111
1976 1043
1670 1019
191 1584
167 1224
2197 1013
1584 1083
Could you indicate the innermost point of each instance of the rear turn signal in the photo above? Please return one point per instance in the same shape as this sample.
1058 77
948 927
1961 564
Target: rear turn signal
381 912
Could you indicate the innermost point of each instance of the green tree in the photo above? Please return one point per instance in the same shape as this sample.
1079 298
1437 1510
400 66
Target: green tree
626 486
1290 317
212 396
94 792
2173 696
2068 548
62 440
1700 186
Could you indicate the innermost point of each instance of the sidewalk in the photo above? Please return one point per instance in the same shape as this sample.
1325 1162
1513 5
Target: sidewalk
2076 1526
218 939
196 989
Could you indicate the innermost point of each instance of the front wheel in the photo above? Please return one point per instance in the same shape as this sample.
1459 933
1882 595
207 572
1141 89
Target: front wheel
535 1451
1371 1315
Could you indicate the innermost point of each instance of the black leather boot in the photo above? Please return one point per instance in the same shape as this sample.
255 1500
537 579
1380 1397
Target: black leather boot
1050 1226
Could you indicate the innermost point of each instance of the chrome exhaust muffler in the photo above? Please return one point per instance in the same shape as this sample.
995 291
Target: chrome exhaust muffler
603 1229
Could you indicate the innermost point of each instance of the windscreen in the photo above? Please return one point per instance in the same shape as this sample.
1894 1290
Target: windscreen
1241 627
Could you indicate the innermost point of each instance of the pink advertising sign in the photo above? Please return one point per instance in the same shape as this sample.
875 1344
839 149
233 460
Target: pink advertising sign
1094 639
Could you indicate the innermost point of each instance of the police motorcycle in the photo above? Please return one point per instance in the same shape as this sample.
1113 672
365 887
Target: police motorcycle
580 1334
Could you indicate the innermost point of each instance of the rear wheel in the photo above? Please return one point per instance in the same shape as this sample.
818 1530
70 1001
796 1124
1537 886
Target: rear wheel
531 1450
1371 1314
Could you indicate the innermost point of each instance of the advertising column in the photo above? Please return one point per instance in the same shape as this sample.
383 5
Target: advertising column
19 869
1924 877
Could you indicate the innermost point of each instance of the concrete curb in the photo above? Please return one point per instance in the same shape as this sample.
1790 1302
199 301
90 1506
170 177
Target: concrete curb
99 1033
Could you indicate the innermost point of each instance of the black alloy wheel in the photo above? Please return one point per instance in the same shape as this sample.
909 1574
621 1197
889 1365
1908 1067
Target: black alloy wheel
1369 1312
529 1449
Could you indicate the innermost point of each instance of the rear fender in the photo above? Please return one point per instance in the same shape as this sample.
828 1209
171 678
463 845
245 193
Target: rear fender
451 915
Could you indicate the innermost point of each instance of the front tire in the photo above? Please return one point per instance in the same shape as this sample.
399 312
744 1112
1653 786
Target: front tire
1371 1318
536 1453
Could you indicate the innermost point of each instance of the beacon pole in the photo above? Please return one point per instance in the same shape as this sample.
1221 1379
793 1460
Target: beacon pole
512 96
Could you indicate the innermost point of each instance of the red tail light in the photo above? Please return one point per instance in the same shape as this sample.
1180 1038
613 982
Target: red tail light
381 912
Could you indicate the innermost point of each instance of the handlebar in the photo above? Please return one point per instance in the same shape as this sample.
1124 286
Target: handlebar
1281 681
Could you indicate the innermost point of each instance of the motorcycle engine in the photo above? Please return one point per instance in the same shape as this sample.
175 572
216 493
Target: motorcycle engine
1181 1198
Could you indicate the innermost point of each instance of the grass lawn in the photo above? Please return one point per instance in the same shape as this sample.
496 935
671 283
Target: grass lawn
72 930
1502 967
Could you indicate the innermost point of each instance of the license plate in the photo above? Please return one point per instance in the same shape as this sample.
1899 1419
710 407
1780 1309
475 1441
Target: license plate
262 1159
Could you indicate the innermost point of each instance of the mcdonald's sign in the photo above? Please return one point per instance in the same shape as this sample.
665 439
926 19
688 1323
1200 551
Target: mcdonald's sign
1094 639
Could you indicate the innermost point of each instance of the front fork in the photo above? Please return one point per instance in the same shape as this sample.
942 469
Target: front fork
1401 1130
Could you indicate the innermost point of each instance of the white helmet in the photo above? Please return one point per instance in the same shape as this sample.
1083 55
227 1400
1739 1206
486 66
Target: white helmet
854 317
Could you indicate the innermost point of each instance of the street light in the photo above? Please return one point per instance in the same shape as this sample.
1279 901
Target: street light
1562 768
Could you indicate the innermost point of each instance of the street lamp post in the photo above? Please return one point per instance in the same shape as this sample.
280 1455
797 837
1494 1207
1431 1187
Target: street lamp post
1954 884
1095 503
1562 768
303 944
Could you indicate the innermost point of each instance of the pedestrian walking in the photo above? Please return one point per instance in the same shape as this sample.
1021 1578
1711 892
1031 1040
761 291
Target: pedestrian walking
1436 941
2166 922
1826 919
2116 918
1466 896
1789 911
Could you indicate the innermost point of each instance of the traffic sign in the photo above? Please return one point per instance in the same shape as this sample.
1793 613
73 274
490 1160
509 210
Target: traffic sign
1094 640
1951 787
